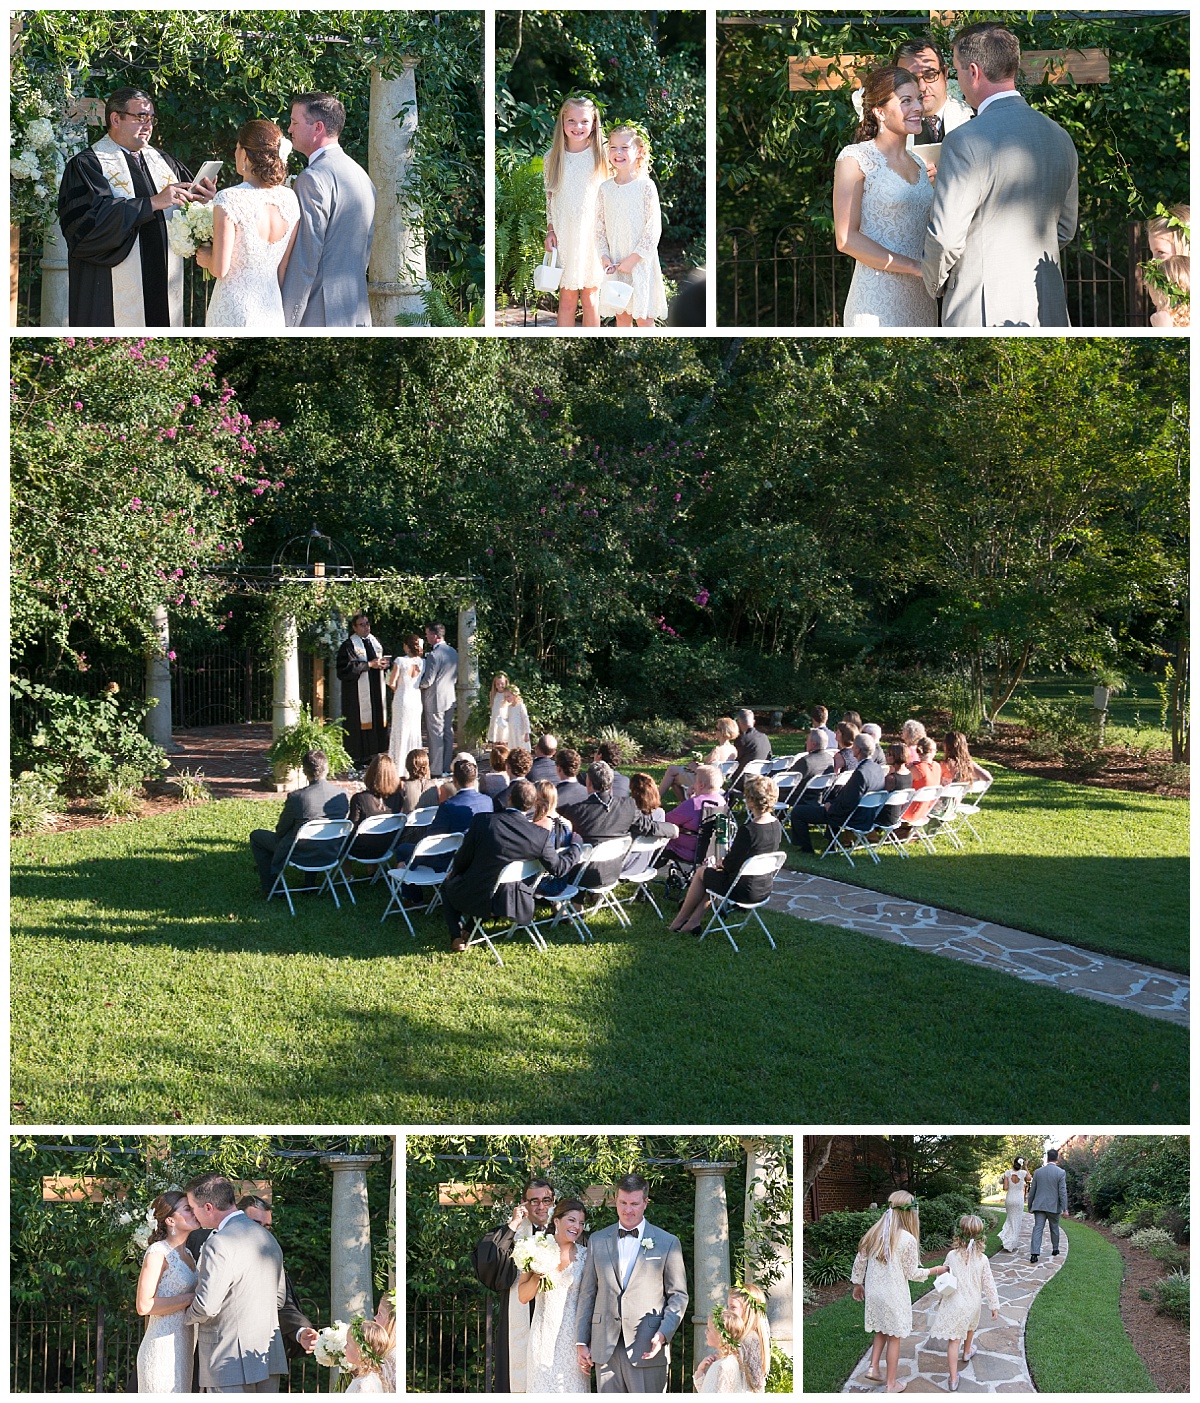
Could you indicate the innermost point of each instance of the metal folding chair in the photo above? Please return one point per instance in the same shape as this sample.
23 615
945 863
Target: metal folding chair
512 872
945 816
860 822
333 834
968 806
916 819
759 866
610 850
414 875
376 826
650 849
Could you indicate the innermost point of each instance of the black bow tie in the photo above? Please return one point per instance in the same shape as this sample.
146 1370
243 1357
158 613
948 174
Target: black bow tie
627 1232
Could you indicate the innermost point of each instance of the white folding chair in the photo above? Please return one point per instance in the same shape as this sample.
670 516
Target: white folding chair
333 835
512 872
649 850
968 806
762 865
564 902
857 824
887 821
423 878
375 826
916 819
610 850
422 818
944 816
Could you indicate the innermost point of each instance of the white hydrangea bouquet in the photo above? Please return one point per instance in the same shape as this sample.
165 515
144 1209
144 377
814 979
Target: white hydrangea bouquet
190 227
43 138
539 1253
330 1349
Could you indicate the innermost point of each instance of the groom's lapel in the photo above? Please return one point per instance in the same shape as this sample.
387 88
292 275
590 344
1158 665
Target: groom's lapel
616 1259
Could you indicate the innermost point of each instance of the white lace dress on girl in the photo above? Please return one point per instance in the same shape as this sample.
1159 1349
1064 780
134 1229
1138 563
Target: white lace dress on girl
553 1358
888 1301
895 214
957 1312
164 1360
571 213
249 295
629 220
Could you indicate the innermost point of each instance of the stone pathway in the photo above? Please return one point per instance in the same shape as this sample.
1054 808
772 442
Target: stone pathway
1000 1365
233 759
1157 993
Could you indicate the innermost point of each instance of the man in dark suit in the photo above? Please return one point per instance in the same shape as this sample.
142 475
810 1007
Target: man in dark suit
566 765
543 760
816 760
492 841
750 745
454 815
319 798
867 777
517 766
606 814
612 755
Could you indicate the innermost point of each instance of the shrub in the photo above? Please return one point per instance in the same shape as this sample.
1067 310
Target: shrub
1056 725
34 805
828 1266
780 1377
520 223
1174 1295
119 801
1142 1170
614 735
193 788
669 737
939 1218
1152 1240
82 741
1119 1229
808 1295
1174 1220
838 1232
309 733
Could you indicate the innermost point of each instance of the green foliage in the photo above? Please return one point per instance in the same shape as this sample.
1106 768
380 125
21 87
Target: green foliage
307 733
1057 726
939 1218
79 742
836 1236
628 746
1174 1295
667 736
33 805
1119 1229
1153 1169
1152 1240
193 787
438 308
520 224
780 1378
119 801
828 1266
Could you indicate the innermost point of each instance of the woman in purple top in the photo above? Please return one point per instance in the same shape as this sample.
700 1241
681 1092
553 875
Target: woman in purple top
687 816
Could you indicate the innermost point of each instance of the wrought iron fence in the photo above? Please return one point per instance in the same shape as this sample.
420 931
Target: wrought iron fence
222 687
451 1346
797 278
87 1349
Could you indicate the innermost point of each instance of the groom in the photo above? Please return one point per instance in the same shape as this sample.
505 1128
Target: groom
439 696
326 279
1006 200
1047 1199
631 1299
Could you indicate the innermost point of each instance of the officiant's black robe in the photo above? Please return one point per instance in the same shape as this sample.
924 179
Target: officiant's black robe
100 231
494 1266
362 744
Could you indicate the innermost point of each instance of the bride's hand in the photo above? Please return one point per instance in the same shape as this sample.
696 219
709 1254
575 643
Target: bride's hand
204 256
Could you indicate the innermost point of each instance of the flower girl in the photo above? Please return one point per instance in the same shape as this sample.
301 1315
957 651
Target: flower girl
573 171
629 226
957 1312
888 1259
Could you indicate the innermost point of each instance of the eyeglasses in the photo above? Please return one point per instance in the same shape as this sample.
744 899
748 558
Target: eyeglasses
548 1199
140 116
929 77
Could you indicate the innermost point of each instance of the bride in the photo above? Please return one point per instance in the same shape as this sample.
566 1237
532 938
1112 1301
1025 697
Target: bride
164 1291
405 681
254 228
882 195
553 1357
1016 1186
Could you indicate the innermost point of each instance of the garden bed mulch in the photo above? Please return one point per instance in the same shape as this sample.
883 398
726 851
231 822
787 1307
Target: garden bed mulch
1162 1342
1112 767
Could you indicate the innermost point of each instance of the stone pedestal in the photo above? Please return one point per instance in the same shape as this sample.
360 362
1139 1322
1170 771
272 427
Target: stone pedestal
350 1237
56 291
158 685
396 276
779 1297
710 1279
468 675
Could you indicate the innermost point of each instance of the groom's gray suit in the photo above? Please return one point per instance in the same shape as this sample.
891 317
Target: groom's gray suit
1047 1199
439 695
1006 200
240 1289
618 1317
326 279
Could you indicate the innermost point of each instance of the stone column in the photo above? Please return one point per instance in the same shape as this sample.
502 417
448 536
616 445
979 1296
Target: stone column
56 291
710 1279
396 276
158 684
285 707
14 273
779 1297
468 674
350 1237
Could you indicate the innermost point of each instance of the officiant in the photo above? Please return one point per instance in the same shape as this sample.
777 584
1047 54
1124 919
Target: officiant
940 113
360 666
493 1262
113 205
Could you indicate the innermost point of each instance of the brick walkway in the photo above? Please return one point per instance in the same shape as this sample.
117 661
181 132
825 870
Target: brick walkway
233 758
1000 1366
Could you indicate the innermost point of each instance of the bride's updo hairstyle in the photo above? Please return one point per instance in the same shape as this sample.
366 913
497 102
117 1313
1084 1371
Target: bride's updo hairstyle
163 1206
260 140
878 88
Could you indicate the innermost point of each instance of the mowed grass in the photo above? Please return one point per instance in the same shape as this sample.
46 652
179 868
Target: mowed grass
1074 1339
151 983
1105 869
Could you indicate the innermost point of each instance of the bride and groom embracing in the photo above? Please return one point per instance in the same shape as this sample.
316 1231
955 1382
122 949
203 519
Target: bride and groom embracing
611 1303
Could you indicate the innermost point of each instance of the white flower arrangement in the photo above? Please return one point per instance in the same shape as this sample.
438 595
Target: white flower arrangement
140 1237
190 227
42 139
330 1349
539 1253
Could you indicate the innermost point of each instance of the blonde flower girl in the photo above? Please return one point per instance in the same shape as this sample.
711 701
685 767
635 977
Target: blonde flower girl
957 1312
573 170
889 1257
629 226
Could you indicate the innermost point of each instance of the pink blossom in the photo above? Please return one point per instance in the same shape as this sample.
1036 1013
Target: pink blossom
171 655
196 401
78 404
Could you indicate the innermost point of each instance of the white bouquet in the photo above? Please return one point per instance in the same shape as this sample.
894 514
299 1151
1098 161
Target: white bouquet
190 227
330 1349
539 1253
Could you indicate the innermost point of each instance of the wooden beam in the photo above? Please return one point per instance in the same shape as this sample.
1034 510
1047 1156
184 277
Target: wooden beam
811 75
1057 67
65 1188
455 1195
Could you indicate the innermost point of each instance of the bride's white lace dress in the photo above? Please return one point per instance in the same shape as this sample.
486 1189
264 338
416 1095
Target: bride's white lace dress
405 732
164 1361
895 214
249 294
553 1358
1014 1208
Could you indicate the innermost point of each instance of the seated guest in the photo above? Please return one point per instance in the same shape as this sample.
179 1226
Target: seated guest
958 767
817 759
852 718
320 798
613 756
762 834
867 777
381 796
566 766
678 779
454 814
898 776
876 734
844 758
497 779
606 814
417 791
751 744
925 769
688 815
547 816
644 793
543 760
492 842
517 766
820 720
910 733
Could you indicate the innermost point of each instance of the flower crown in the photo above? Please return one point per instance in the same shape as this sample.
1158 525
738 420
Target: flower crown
360 1339
1173 221
639 131
1155 277
752 1301
722 1329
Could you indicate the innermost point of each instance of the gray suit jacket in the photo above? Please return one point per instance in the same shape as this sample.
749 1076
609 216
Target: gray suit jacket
326 279
1048 1190
322 799
239 1293
1006 200
654 1299
440 678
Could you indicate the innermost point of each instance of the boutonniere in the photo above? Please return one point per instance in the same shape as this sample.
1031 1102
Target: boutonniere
647 1244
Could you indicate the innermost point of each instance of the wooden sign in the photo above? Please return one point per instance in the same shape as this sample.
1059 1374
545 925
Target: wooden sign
454 1195
1058 67
90 1189
87 109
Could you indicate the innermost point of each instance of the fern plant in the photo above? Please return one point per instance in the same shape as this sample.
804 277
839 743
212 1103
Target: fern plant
438 310
520 225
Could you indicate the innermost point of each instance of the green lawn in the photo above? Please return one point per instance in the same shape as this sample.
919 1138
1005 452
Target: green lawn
1105 869
1074 1339
151 983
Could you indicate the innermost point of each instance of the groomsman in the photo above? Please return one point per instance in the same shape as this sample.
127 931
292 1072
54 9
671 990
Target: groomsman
493 1262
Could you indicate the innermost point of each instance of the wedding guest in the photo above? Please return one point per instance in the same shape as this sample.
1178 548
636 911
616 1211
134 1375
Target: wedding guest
454 814
910 733
844 757
678 779
498 708
867 777
517 765
820 722
852 718
380 796
607 814
817 759
1167 239
751 744
492 1262
870 728
320 798
688 815
762 834
629 227
611 754
361 663
566 765
644 793
417 790
926 771
940 113
366 1353
497 779
898 776
113 205
543 760
547 816
958 767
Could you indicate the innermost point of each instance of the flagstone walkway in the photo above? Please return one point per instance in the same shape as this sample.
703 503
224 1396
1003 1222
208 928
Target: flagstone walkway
1000 1365
1157 993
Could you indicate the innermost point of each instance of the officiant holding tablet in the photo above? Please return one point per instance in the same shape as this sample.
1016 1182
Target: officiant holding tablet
113 205
361 663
